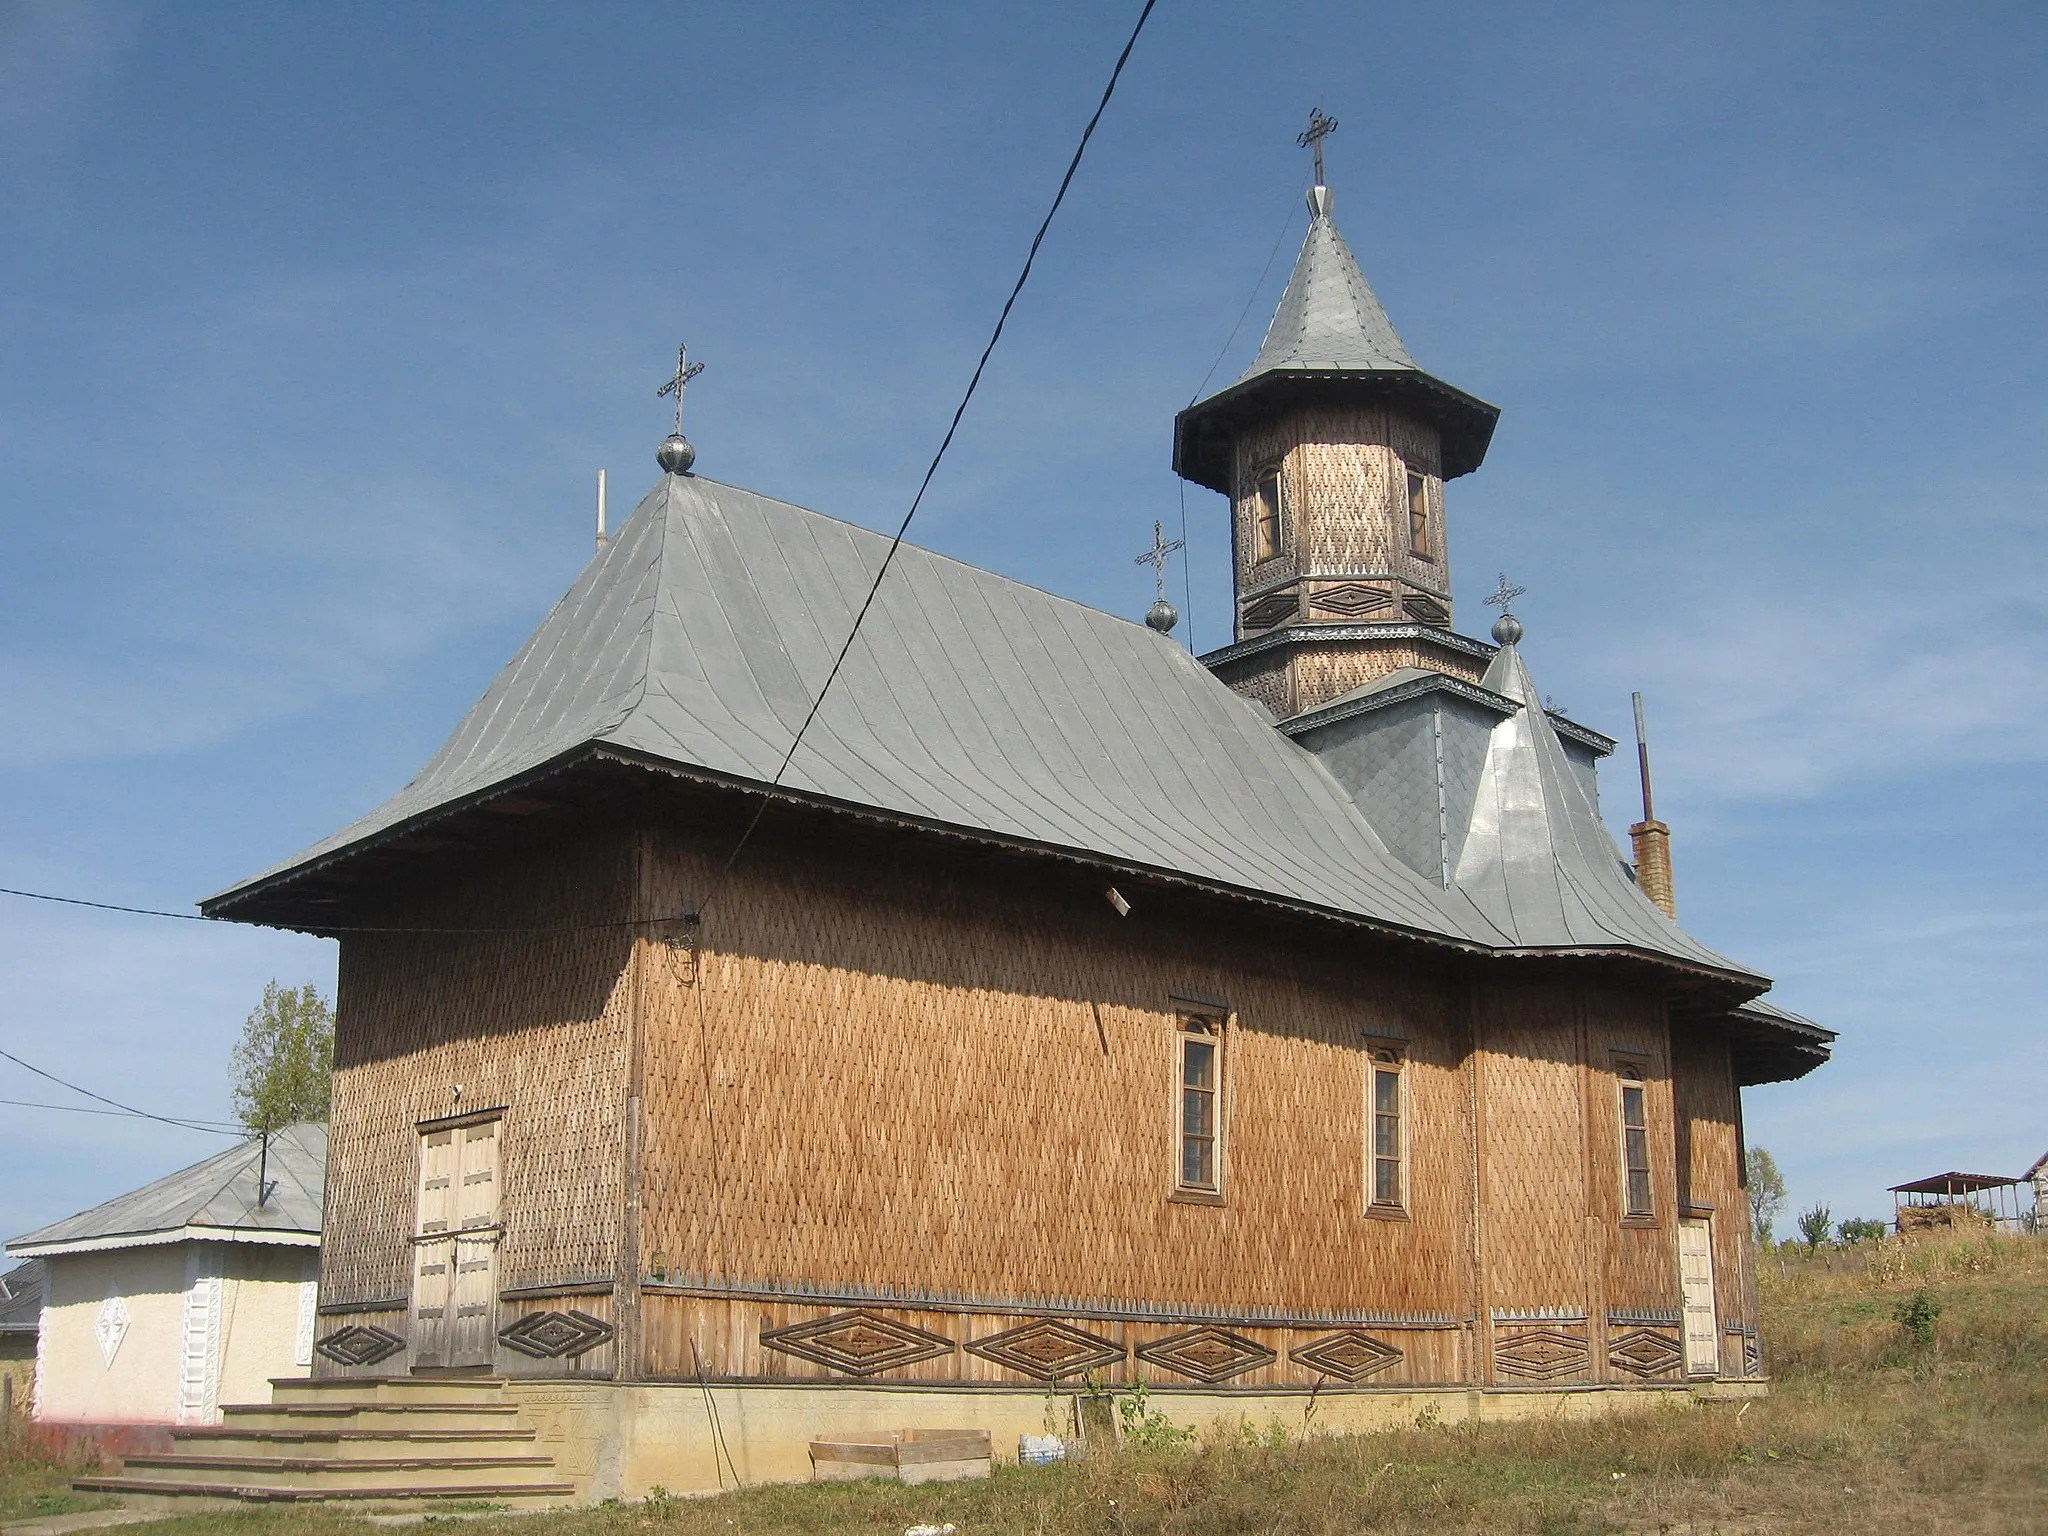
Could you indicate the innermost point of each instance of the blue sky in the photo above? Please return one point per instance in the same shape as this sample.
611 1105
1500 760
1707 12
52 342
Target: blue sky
315 323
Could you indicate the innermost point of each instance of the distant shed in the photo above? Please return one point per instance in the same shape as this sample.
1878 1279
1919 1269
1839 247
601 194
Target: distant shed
197 1289
1957 1199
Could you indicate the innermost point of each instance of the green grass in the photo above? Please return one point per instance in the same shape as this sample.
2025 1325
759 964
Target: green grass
1866 1431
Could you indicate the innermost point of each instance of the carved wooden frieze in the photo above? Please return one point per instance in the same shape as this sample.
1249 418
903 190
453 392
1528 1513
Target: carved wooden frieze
859 1343
553 1335
1541 1354
360 1344
1348 1356
1645 1352
1207 1353
1047 1350
1353 600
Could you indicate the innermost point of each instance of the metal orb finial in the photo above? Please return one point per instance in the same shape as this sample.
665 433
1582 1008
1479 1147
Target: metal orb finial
1162 616
675 455
1507 630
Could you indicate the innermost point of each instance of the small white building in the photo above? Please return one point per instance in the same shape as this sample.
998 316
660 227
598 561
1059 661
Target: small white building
162 1304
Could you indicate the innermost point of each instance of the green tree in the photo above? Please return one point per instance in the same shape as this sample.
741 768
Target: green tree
284 1060
1813 1226
1766 1192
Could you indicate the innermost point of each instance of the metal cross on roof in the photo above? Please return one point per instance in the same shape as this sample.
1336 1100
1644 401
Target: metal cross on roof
1319 128
1505 595
685 371
1155 557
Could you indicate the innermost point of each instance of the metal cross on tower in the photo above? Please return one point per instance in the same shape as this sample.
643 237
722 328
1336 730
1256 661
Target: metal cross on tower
1155 557
685 371
1319 128
1505 595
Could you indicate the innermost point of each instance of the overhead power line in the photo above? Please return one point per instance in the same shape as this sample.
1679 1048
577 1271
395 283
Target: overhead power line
974 383
839 661
213 1128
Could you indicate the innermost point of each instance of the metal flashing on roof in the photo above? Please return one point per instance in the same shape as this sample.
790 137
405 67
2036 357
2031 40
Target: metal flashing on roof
1397 687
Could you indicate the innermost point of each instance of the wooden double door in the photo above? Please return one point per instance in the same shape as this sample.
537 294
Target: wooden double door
455 1247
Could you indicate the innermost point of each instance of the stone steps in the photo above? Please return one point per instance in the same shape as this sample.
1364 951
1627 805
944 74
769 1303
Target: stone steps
234 1440
395 1440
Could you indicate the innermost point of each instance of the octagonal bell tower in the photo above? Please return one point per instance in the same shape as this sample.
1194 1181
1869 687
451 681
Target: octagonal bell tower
1333 449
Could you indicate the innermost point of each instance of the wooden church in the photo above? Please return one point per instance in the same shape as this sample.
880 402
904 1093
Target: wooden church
1281 1028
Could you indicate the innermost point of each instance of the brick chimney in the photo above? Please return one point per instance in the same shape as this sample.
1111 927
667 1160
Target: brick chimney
1650 837
1652 841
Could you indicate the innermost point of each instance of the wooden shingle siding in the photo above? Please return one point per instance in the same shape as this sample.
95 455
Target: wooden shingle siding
945 1097
530 1022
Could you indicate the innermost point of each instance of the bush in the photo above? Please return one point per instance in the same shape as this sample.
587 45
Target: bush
1916 1314
1860 1229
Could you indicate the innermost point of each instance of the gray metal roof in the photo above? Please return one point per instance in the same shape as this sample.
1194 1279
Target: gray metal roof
1329 317
699 635
22 1290
216 1198
1537 858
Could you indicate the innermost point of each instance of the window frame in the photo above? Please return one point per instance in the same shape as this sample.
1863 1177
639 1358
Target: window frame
1263 547
1631 1077
1384 1060
1420 543
1196 1027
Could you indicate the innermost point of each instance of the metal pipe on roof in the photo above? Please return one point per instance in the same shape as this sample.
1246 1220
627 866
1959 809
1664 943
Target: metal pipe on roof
601 541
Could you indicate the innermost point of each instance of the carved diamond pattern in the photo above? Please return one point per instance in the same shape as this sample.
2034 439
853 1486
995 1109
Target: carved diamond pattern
1046 1350
1348 1356
1352 600
1645 1352
551 1335
1424 610
1268 611
360 1345
1207 1353
858 1343
1541 1354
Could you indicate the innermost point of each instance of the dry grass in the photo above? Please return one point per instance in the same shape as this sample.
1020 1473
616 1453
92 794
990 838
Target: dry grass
1867 1430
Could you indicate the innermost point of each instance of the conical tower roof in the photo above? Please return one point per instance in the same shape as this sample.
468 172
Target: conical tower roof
1330 341
1329 318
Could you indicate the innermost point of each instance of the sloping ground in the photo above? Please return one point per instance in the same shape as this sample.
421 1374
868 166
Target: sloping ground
1868 1431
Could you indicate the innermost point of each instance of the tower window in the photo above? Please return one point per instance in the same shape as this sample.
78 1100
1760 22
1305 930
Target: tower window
1269 530
1635 1144
1418 515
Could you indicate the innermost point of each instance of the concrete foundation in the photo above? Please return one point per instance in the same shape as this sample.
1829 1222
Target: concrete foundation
619 1440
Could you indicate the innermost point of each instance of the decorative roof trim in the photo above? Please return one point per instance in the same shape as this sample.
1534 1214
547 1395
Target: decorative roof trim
1312 632
1288 579
285 1237
1437 682
1564 725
